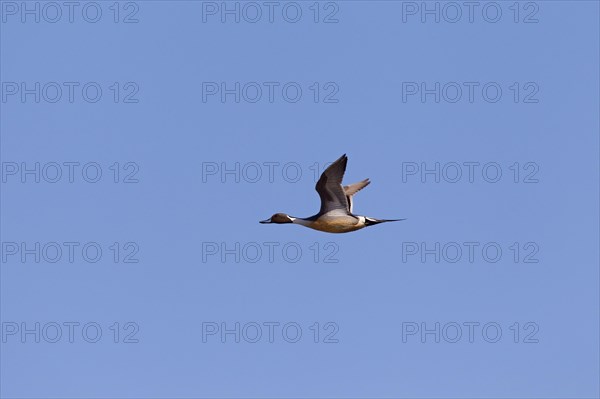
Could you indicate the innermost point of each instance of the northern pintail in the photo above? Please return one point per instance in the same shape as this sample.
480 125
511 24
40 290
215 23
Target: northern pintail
335 215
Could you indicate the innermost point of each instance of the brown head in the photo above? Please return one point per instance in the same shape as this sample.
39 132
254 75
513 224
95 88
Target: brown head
278 218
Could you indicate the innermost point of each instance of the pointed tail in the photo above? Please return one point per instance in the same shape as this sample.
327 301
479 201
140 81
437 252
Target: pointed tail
373 221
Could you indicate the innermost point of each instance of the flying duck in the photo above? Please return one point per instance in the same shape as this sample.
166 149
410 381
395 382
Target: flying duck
335 215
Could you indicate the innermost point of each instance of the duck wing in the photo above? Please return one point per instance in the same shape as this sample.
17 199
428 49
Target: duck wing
329 187
352 189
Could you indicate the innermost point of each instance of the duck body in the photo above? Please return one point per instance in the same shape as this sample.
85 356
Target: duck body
335 215
332 223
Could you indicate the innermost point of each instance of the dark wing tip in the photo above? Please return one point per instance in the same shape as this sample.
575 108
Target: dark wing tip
344 160
340 163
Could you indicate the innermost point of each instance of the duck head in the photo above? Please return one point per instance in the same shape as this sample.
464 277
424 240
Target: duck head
279 218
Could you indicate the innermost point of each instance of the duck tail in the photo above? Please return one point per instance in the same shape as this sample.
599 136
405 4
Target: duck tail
373 221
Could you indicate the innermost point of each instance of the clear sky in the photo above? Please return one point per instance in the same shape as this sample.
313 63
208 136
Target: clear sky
138 157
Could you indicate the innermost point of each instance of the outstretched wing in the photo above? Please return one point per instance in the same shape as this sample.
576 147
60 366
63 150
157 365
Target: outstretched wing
352 189
330 187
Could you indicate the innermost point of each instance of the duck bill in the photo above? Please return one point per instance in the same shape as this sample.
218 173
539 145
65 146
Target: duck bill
265 221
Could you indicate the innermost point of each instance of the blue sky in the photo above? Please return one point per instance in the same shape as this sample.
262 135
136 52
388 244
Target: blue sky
156 143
